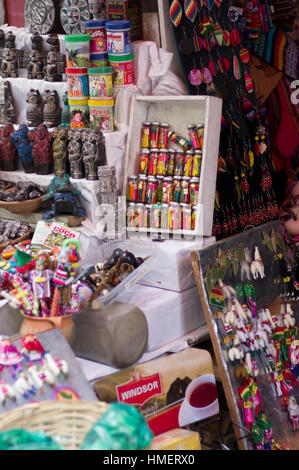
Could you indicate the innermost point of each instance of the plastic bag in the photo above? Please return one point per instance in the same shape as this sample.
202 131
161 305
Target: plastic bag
121 427
20 439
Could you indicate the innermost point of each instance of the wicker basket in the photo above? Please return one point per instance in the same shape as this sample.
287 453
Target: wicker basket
67 423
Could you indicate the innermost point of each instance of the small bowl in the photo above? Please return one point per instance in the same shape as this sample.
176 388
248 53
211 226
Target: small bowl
22 207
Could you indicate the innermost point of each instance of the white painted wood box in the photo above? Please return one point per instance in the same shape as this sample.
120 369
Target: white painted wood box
179 112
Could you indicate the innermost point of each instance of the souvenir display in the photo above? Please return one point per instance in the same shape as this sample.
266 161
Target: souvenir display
255 324
75 155
51 69
39 15
9 66
35 68
73 16
166 190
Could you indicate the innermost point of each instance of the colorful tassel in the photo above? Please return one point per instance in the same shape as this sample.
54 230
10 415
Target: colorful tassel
237 68
191 9
176 13
248 82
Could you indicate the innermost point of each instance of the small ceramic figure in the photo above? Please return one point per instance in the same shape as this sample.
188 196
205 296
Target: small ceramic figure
257 266
60 145
53 40
2 39
34 110
92 153
9 64
35 68
22 143
7 107
51 69
10 40
66 111
52 110
42 151
75 154
36 42
8 151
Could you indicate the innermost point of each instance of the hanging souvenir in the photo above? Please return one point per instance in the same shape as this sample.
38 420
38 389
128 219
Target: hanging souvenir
237 68
248 82
191 9
73 16
176 12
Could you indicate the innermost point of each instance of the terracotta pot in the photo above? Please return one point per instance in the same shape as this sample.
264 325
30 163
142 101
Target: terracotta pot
36 325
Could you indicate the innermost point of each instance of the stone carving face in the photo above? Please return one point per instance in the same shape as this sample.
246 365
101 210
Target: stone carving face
73 15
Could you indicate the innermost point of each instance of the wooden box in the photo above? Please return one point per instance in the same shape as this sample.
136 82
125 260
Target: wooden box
179 112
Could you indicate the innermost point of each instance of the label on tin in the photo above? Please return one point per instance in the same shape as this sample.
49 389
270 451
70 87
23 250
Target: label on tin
118 42
123 73
98 43
77 86
101 118
100 85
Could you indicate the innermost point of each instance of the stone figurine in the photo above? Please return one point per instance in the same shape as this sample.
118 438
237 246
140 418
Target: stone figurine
75 153
60 151
36 42
42 150
7 105
9 67
53 40
23 146
8 151
35 68
10 41
92 150
2 39
34 111
51 72
52 110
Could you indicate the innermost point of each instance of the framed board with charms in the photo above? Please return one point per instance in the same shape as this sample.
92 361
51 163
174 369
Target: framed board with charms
248 293
40 367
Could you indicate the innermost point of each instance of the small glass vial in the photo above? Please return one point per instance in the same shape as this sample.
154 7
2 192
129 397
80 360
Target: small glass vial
145 135
131 214
144 161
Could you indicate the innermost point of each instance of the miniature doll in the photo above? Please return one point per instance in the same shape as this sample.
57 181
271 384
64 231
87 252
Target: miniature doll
22 291
40 278
72 248
293 410
8 151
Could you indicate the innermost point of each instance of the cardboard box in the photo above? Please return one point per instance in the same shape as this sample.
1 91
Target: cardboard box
179 112
170 392
170 315
176 439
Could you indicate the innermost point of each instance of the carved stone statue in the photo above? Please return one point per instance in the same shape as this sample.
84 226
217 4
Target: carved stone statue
51 69
52 110
10 40
60 149
53 40
34 111
42 150
8 151
75 153
97 9
7 106
23 146
92 152
2 39
35 68
36 42
9 67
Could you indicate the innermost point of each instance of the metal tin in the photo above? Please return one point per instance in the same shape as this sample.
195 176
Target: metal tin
144 161
188 163
194 190
142 186
163 136
185 197
167 195
151 191
153 164
154 140
145 135
197 160
193 136
162 162
132 189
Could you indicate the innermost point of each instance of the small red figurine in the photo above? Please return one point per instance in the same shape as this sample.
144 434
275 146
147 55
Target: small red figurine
42 151
8 151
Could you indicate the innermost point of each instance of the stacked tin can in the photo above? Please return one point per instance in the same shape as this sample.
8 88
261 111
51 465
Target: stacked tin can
164 194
